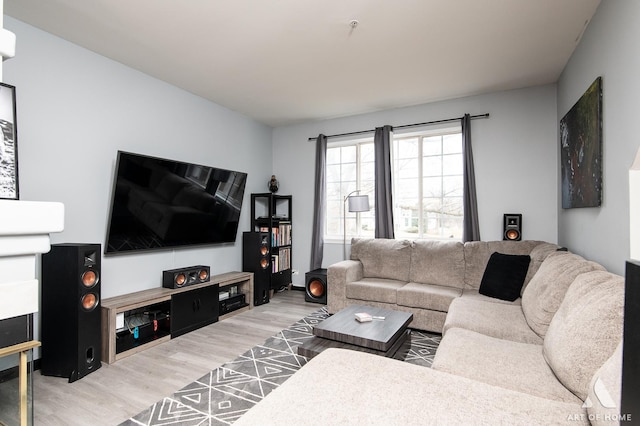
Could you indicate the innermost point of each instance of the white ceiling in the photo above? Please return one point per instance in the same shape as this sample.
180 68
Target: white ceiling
289 61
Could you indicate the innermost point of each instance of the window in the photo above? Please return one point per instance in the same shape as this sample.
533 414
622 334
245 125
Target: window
427 185
349 167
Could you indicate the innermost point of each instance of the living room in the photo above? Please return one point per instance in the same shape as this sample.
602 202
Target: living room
108 106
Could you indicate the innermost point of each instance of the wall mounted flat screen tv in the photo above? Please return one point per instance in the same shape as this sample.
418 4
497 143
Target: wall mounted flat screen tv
162 204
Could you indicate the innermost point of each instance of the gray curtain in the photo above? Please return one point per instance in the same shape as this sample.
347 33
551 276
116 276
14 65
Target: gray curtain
470 226
317 237
384 204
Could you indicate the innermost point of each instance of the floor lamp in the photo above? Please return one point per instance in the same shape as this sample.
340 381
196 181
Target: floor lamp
357 203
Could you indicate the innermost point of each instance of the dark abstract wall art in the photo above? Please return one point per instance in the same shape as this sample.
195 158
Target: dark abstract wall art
8 143
581 150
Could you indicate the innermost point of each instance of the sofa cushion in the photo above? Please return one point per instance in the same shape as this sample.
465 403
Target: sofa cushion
501 320
586 329
352 387
542 297
477 254
374 289
437 262
427 296
511 365
605 390
470 293
504 276
383 258
538 254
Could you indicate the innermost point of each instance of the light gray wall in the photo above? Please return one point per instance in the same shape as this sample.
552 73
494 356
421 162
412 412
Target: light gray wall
609 49
514 150
76 109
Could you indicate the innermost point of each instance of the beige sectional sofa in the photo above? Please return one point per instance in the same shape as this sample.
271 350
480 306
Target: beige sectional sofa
422 277
552 357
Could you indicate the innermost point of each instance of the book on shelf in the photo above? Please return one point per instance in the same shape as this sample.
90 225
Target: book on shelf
284 254
280 235
281 261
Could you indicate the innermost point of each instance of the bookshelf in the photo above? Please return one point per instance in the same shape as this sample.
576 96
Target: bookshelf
271 220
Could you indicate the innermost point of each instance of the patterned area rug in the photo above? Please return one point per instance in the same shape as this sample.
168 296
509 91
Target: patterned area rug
226 393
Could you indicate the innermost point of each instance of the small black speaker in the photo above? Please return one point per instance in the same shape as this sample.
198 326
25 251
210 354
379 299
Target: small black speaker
315 288
70 315
181 277
512 229
631 341
256 258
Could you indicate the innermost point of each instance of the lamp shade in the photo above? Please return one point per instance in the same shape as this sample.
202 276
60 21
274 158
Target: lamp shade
359 203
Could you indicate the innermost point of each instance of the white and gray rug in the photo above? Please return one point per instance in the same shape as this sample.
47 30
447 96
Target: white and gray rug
226 393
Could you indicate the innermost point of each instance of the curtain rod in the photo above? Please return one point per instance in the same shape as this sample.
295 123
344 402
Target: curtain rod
447 120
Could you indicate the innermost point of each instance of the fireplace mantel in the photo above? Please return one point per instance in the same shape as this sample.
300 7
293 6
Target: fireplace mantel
24 233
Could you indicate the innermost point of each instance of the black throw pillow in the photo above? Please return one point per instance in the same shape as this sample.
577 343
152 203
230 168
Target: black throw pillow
504 276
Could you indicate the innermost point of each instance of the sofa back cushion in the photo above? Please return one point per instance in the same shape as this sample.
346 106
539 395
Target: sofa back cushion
546 290
586 330
383 258
538 254
437 262
477 254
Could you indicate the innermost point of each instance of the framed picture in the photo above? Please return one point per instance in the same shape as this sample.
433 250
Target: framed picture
9 143
581 150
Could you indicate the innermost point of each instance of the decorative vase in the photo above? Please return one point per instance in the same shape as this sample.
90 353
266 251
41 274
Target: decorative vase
273 184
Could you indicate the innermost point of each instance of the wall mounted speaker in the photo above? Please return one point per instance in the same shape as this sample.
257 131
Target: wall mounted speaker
70 315
315 287
182 277
256 258
512 229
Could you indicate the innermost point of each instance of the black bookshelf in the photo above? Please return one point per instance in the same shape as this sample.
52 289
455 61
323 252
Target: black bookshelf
271 220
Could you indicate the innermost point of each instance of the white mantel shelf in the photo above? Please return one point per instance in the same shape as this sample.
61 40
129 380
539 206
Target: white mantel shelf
24 233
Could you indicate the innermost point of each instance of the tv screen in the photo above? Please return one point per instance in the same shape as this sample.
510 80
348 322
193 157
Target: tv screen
161 204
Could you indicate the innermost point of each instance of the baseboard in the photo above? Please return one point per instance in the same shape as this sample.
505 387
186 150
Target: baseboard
13 372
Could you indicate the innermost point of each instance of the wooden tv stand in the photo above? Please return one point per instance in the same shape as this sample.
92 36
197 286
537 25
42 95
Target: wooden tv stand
170 306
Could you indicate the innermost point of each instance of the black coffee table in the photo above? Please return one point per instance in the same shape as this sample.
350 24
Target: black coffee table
381 337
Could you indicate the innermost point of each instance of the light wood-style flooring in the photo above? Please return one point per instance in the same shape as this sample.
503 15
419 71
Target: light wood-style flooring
118 391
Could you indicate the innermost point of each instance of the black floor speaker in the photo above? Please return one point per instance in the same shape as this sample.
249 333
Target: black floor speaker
315 287
70 314
256 258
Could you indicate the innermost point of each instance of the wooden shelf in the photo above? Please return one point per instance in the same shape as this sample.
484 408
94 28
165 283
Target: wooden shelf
140 299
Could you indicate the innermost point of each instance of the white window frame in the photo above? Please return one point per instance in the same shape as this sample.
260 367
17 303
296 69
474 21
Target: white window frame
334 238
431 130
439 130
